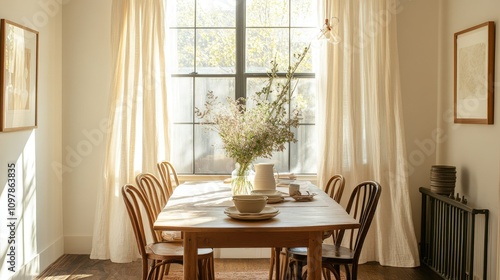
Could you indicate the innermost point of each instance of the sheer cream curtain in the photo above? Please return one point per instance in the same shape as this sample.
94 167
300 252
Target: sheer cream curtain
138 120
361 127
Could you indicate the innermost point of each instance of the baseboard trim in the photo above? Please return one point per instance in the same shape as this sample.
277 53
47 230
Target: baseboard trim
40 261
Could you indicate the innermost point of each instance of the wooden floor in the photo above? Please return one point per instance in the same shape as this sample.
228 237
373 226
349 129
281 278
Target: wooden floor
82 267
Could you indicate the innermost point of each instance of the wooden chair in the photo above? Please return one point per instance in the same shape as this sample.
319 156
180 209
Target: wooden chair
153 192
362 205
334 188
168 176
156 196
156 254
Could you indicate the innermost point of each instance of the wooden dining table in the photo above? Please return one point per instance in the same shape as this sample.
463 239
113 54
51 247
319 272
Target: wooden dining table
197 210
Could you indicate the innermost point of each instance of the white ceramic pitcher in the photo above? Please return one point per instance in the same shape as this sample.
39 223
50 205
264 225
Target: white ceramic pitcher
264 177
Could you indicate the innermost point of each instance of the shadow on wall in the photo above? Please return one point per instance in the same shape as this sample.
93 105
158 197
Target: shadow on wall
18 236
465 180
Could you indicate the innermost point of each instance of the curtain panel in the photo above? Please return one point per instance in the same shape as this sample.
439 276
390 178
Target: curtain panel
361 128
138 120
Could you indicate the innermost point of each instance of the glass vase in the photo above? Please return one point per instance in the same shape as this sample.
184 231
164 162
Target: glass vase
241 182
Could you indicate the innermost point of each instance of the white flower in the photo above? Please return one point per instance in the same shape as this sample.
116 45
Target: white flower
262 127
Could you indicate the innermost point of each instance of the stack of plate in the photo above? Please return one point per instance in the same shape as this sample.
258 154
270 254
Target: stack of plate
443 178
265 214
273 196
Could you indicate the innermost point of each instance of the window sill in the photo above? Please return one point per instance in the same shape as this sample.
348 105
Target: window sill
196 178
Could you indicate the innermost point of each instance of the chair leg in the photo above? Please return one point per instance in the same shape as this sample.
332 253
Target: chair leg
326 274
200 270
333 269
277 262
271 264
208 271
161 270
211 267
299 271
295 270
155 270
290 269
167 269
354 271
145 269
348 272
284 265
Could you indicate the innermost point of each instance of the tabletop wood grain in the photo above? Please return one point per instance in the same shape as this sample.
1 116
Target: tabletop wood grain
197 209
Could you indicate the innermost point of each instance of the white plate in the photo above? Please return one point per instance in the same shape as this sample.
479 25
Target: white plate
267 213
273 196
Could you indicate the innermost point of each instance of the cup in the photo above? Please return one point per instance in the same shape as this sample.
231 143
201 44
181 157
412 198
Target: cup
293 188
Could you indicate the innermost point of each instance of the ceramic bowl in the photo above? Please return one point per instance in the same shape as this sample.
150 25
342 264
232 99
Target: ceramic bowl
250 203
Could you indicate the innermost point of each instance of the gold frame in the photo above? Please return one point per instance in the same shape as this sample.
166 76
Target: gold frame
474 74
18 78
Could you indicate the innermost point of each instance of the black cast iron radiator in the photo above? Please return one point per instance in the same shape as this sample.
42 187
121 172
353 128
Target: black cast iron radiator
452 236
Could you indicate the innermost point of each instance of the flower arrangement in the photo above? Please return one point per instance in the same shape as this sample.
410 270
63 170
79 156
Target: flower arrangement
257 126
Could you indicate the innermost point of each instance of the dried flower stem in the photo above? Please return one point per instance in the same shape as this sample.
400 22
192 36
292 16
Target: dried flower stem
251 132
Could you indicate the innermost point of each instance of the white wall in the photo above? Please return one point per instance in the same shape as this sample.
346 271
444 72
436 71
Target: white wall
474 149
39 232
86 86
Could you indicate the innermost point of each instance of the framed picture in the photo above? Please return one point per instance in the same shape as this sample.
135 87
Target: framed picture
474 74
18 78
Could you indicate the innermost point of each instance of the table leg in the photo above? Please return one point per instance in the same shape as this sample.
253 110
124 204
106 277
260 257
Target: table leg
190 256
314 253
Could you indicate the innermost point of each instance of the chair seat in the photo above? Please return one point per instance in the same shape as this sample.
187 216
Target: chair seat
173 249
339 253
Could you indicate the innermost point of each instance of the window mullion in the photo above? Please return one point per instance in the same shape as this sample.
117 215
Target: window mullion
240 82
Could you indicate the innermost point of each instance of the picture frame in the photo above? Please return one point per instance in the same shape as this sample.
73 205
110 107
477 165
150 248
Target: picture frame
474 74
18 77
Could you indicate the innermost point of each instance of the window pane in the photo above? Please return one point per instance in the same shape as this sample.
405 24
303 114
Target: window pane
183 62
300 39
267 13
305 97
303 152
264 45
215 51
221 87
256 84
204 34
209 153
182 148
303 13
183 13
181 90
216 13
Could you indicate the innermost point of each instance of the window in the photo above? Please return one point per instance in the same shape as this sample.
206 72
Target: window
225 46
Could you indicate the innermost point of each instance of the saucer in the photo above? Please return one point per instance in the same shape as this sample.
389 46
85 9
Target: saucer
304 197
273 196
